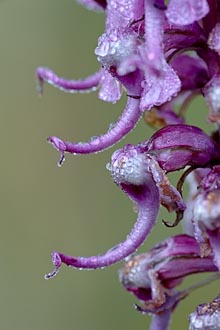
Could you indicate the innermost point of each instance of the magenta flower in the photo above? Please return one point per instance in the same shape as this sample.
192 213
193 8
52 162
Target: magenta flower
140 51
152 277
140 172
162 54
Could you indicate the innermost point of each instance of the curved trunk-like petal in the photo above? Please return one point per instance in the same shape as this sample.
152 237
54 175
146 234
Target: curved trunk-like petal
70 86
122 127
146 197
94 4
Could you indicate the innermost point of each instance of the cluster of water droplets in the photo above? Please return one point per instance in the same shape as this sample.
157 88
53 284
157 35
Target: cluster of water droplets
129 166
115 47
134 274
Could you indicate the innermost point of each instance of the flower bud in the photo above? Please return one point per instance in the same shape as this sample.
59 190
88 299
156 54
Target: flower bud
176 146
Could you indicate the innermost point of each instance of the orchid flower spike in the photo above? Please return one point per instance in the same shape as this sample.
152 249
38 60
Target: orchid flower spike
140 172
162 54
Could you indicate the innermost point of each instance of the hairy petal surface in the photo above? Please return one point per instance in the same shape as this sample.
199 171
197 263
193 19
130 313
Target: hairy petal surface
192 72
161 82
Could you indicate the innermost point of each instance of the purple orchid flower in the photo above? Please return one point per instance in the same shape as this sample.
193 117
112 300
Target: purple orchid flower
162 54
131 53
153 277
130 170
140 172
138 51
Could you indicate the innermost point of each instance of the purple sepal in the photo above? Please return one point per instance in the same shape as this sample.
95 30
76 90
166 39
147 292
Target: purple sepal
177 146
192 72
179 38
161 82
160 89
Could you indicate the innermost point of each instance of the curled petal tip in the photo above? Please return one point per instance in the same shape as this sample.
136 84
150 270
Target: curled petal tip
59 145
67 85
56 260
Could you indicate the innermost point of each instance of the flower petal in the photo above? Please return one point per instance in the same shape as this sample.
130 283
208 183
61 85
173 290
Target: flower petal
71 86
144 193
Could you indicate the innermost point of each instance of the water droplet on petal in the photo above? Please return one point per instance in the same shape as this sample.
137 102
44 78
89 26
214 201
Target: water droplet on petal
61 160
108 166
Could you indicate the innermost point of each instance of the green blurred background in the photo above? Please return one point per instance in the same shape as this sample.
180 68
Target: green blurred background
76 209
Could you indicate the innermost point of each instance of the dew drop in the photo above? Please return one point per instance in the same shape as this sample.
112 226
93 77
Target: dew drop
108 166
93 138
52 274
111 126
61 160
